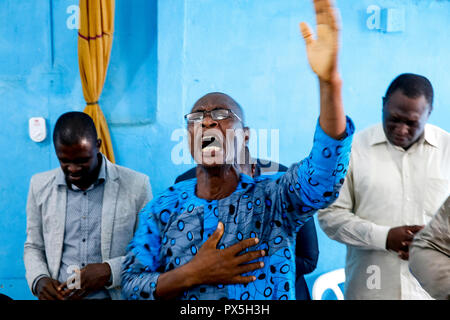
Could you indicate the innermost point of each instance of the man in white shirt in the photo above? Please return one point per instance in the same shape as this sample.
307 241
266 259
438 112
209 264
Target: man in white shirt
399 175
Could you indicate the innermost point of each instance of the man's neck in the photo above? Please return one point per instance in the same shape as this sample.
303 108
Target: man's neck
215 183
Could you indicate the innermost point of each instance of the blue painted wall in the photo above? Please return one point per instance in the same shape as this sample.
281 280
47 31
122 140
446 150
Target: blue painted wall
168 53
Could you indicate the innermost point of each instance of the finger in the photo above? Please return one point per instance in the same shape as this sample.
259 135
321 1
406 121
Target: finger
414 229
53 290
241 246
250 256
333 18
250 267
306 33
67 292
62 287
406 243
43 295
242 279
403 255
50 293
408 236
76 294
214 239
322 8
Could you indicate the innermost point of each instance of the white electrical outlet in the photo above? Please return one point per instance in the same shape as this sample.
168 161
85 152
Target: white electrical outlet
37 129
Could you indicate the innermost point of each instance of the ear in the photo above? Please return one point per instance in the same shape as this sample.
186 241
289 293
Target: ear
253 169
98 144
246 135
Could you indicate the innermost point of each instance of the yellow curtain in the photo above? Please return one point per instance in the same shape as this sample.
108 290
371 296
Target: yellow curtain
94 49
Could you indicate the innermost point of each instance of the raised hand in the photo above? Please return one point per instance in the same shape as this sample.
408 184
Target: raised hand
323 50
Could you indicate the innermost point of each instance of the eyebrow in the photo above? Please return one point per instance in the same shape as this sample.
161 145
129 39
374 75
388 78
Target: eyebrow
196 109
403 117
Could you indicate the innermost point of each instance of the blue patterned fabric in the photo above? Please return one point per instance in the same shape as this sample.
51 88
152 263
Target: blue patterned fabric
174 225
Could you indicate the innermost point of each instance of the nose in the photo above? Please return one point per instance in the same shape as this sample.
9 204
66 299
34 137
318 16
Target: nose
73 168
208 121
401 129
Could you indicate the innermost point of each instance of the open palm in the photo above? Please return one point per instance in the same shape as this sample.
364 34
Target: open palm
322 50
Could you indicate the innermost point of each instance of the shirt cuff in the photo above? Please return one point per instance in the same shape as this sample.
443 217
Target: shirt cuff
327 150
379 236
33 287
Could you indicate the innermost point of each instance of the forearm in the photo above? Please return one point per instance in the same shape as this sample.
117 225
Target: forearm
344 226
139 282
173 283
332 115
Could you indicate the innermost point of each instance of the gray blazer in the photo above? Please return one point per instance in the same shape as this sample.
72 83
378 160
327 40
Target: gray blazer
126 193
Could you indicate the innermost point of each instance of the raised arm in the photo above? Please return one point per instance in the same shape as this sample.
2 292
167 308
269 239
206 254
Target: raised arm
322 54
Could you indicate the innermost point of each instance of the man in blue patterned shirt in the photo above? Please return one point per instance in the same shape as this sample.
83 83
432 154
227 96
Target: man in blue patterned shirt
193 240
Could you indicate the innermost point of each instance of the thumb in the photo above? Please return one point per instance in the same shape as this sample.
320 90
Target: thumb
306 33
216 236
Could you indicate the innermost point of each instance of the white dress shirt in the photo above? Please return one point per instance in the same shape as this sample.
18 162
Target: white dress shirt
386 187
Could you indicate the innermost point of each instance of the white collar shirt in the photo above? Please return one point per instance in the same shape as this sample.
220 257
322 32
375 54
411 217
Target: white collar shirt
386 187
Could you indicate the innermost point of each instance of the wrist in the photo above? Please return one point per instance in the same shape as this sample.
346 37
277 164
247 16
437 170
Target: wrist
190 277
41 283
334 81
107 274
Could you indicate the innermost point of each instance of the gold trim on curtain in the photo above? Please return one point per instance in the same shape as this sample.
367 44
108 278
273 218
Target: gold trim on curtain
94 49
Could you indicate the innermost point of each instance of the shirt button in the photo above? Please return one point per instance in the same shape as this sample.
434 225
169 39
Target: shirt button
83 265
85 193
84 240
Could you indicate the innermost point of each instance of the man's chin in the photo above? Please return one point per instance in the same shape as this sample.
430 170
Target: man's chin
213 158
77 181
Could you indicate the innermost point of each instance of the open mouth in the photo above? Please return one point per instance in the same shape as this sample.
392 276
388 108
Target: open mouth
211 143
74 177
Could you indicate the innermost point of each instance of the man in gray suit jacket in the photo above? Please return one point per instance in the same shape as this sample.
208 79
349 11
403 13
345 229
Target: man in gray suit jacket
80 217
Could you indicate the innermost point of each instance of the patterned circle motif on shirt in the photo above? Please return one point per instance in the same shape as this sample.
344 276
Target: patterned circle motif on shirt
164 216
326 152
314 184
287 253
245 295
285 269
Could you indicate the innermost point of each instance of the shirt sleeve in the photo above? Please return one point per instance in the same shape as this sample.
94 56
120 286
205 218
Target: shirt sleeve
313 183
340 223
141 266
